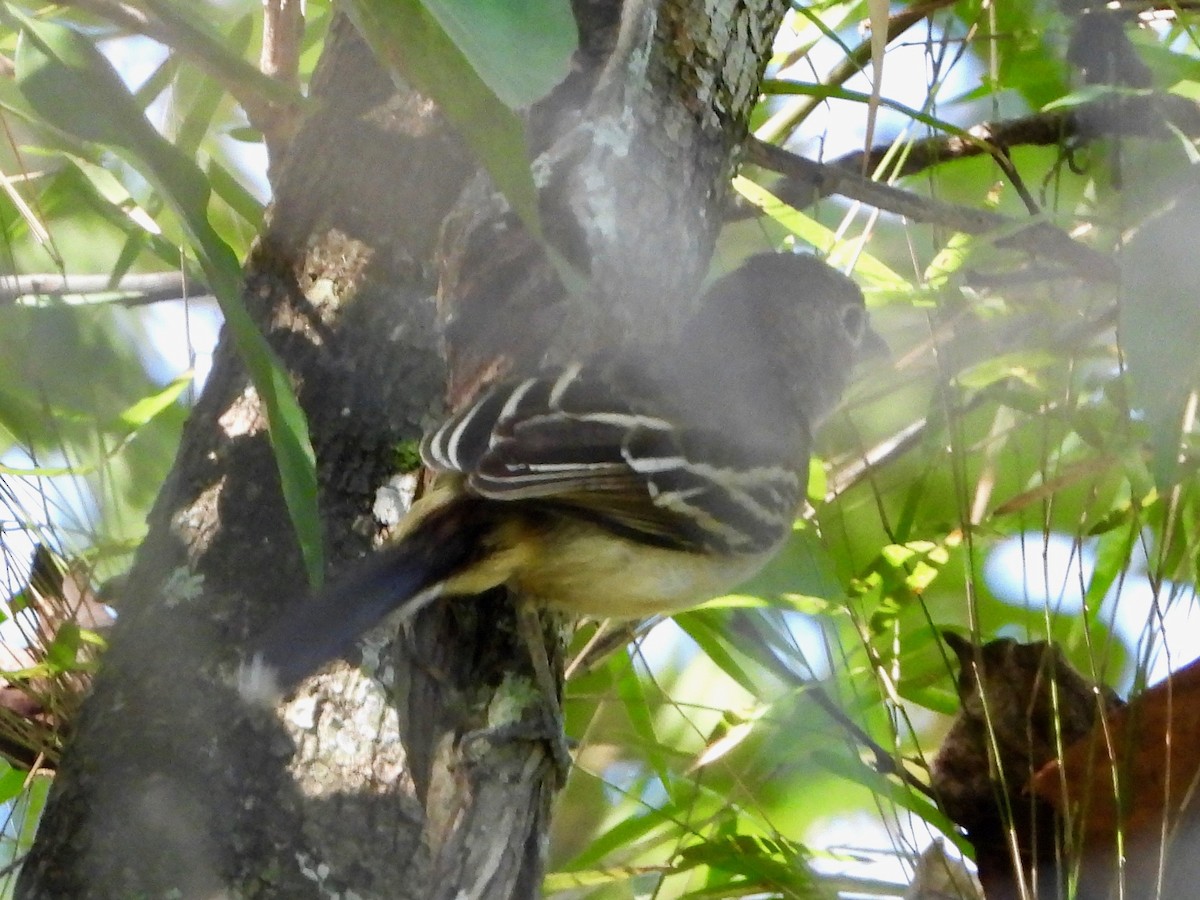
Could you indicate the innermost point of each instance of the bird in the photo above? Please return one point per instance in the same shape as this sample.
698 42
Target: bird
637 482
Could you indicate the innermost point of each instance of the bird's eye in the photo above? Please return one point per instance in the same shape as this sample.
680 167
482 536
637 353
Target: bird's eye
854 320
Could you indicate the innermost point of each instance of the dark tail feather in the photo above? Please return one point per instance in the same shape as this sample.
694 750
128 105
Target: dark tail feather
327 624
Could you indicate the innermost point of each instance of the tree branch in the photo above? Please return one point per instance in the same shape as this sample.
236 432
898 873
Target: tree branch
809 181
132 290
1121 115
1130 115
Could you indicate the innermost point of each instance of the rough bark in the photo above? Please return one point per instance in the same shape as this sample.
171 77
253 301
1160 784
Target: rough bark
171 787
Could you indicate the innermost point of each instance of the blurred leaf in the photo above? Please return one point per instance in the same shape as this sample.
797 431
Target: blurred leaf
193 34
110 189
837 92
147 408
703 628
950 259
1112 552
1031 65
726 737
802 567
199 96
583 878
246 134
66 79
632 694
63 651
858 772
1188 89
488 31
626 833
234 193
1023 366
1093 92
1160 319
763 863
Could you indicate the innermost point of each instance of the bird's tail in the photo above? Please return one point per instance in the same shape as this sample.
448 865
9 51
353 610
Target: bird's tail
401 577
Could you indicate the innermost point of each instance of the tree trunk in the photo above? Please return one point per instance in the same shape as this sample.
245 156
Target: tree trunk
171 786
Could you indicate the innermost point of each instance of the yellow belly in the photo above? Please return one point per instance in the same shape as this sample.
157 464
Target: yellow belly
577 566
586 570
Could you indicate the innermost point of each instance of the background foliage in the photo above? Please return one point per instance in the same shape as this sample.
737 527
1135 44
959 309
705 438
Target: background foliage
1024 465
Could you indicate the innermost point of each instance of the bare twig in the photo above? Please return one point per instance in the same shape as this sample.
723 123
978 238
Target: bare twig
806 181
283 28
132 290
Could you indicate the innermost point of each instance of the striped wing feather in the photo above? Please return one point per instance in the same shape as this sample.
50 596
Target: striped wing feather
570 442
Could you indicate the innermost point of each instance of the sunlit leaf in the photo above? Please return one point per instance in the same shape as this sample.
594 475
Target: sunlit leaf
632 692
760 861
12 781
63 651
147 408
812 232
704 628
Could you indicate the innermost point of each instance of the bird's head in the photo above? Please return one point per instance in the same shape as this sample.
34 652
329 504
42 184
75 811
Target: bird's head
797 321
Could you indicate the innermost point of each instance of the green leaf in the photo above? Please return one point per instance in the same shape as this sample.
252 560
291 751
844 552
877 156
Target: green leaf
1023 365
627 833
196 37
520 48
31 813
1113 551
147 408
1187 89
199 97
411 42
703 627
634 704
813 232
761 861
64 649
772 86
1095 92
67 80
858 772
12 781
559 882
226 186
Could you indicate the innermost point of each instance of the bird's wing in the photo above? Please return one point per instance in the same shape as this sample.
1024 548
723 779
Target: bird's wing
573 443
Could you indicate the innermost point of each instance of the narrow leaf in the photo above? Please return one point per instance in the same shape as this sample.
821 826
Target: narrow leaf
67 80
147 408
488 31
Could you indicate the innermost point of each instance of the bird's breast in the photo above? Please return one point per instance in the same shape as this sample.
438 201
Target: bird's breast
587 570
